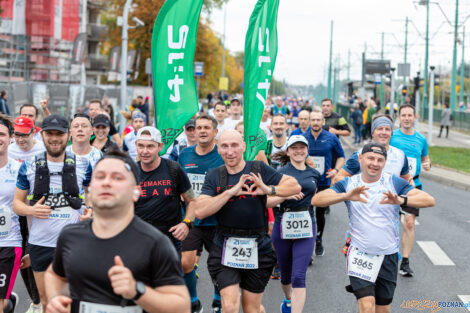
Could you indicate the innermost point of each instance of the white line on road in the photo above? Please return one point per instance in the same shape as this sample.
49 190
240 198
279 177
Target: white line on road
402 219
465 299
435 253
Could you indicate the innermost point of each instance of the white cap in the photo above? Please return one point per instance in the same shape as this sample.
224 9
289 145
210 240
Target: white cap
155 134
296 138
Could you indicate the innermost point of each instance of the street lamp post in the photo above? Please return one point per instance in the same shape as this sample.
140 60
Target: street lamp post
431 105
125 28
426 57
453 85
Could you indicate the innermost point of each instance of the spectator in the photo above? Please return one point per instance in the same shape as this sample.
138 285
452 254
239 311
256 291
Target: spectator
446 118
357 120
3 103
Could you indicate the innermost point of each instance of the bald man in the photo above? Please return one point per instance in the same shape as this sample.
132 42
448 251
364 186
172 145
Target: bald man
241 256
304 123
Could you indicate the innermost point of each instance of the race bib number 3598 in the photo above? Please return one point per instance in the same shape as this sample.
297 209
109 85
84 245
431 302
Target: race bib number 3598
240 253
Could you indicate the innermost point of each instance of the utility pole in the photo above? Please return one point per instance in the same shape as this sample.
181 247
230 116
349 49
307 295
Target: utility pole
125 27
406 55
381 89
431 106
426 56
349 64
462 68
364 65
453 85
331 61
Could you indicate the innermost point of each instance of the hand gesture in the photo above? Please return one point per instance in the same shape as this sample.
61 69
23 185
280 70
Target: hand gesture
331 173
355 194
241 188
297 197
258 188
40 210
87 213
180 231
122 280
44 103
59 304
390 198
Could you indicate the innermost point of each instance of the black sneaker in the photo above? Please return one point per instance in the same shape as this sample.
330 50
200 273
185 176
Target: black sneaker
216 306
11 305
319 250
327 210
196 307
405 270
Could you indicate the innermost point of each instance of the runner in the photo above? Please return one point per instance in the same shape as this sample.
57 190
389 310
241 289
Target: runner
10 235
54 182
138 269
162 184
187 139
322 146
95 108
196 161
294 244
415 147
101 140
304 123
265 123
220 113
138 121
278 142
80 132
336 123
31 111
373 199
25 146
241 256
236 113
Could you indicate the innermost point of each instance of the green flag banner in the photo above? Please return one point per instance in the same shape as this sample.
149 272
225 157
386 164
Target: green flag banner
260 58
173 46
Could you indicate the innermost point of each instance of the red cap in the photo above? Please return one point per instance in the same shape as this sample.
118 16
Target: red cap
23 124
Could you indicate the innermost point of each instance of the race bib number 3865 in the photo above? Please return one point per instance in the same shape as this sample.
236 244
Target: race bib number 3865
363 265
240 253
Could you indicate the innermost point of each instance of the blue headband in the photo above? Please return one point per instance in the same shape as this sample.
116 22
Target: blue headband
381 121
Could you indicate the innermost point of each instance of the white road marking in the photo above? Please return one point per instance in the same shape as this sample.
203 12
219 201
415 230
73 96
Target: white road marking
465 299
435 253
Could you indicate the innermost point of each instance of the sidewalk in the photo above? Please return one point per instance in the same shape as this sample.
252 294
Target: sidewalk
438 174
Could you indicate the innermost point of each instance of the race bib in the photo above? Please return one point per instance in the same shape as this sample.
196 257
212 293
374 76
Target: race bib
412 164
197 180
319 162
61 209
5 221
88 307
240 253
296 225
363 265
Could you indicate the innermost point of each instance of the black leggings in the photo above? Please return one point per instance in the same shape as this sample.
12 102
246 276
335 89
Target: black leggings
447 131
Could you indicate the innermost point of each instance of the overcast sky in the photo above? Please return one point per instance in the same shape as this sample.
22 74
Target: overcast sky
304 31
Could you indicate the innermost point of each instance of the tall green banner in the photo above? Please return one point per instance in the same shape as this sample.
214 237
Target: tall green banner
173 46
260 58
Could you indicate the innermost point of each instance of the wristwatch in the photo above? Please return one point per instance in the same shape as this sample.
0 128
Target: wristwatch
405 199
188 223
140 290
273 191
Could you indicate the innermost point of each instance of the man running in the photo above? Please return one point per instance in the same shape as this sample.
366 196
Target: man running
138 121
415 147
31 111
162 184
304 123
54 182
25 146
115 262
373 199
81 132
336 123
220 113
278 142
322 147
241 256
196 161
236 114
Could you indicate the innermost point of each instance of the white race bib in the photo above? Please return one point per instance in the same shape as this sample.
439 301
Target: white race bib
319 162
197 180
88 307
295 120
362 265
61 209
412 164
5 221
240 253
296 225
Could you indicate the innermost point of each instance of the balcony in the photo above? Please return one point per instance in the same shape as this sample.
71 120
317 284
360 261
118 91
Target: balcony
96 32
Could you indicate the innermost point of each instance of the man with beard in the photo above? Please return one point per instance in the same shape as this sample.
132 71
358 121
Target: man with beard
279 140
115 262
54 182
322 146
25 146
81 131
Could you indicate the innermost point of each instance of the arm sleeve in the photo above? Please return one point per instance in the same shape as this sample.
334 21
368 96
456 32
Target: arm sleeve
184 183
340 187
402 187
22 181
406 168
343 124
270 176
166 265
352 165
210 186
57 263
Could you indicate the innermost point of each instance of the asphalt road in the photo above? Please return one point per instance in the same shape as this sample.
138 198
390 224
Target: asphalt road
447 224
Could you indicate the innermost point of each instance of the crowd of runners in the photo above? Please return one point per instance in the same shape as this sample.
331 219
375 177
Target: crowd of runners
96 220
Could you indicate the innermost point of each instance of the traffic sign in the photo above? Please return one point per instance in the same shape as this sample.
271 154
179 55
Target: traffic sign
198 69
377 66
403 69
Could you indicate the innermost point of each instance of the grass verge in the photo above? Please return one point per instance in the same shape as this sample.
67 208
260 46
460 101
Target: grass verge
455 158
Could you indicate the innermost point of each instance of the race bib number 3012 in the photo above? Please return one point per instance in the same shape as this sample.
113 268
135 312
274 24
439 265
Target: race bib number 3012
240 253
363 265
296 225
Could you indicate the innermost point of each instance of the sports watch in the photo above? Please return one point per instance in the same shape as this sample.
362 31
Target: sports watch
140 290
405 199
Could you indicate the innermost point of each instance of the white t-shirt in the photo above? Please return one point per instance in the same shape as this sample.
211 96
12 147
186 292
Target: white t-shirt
129 144
10 235
94 156
19 155
231 123
44 232
221 128
265 127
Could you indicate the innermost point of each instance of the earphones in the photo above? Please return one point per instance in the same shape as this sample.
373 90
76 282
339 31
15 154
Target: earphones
136 192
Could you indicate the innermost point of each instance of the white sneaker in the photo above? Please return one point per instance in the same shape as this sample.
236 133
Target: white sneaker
34 308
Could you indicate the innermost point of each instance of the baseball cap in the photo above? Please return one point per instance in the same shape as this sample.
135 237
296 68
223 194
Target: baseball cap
101 120
296 138
374 147
55 122
190 123
155 134
23 124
